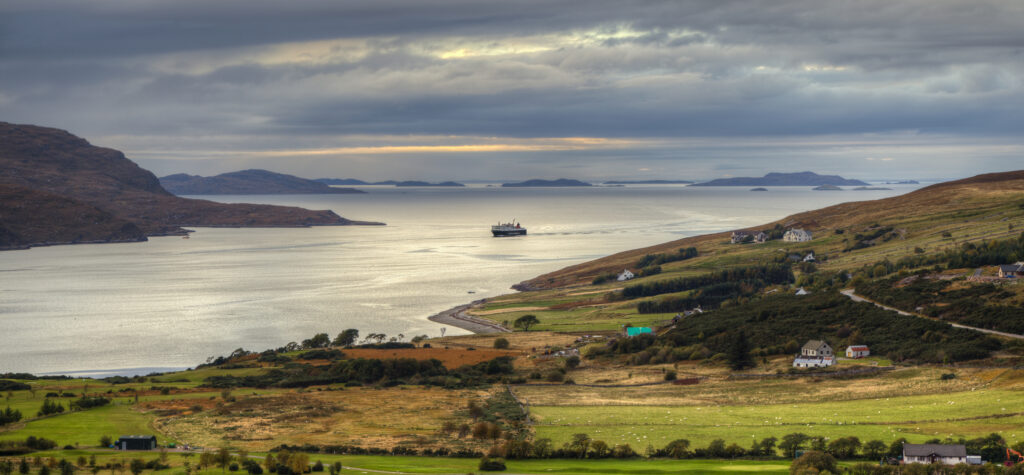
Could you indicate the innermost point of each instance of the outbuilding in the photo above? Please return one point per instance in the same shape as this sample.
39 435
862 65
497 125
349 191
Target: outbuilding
637 331
625 275
136 442
857 351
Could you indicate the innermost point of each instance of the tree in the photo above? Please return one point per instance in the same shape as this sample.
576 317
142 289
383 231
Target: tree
525 322
874 449
416 340
844 447
599 449
572 362
791 443
501 343
50 407
542 448
8 416
270 462
137 466
105 441
767 446
579 444
223 457
739 353
678 448
896 447
320 340
813 461
346 338
475 410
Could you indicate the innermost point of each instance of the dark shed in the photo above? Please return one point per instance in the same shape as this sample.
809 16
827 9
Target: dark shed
136 442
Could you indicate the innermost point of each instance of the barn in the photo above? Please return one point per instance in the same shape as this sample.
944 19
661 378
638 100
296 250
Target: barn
136 442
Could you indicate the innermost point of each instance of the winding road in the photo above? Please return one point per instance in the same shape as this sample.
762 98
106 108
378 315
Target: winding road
858 298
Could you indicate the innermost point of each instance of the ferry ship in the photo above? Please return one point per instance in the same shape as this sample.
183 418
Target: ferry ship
508 229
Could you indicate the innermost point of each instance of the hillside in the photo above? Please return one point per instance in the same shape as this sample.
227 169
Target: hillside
49 173
785 179
247 182
921 216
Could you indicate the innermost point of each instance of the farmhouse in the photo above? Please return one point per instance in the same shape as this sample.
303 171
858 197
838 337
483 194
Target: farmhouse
816 348
136 442
801 291
1011 270
625 275
739 236
934 453
760 237
857 351
637 331
809 257
796 235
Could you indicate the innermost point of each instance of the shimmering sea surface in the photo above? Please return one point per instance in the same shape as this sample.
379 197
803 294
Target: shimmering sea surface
172 302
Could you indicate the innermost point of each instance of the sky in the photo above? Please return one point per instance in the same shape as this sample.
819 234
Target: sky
471 90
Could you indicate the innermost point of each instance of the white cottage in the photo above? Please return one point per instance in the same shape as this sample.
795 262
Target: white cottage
857 351
934 453
796 235
815 354
625 275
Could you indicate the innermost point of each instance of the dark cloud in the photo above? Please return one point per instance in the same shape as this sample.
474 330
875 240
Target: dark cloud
167 78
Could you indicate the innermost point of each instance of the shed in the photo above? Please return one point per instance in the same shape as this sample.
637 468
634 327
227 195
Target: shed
636 331
857 351
136 442
934 453
625 275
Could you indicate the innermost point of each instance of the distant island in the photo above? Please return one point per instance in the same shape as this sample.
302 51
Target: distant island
902 182
650 182
785 179
759 189
355 182
561 182
57 188
827 188
871 188
247 182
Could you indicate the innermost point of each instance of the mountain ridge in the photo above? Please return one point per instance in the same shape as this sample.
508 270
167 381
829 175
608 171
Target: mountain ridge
785 179
247 182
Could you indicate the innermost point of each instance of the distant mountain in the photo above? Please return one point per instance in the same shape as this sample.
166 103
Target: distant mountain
341 181
56 188
548 183
785 179
354 182
423 183
247 182
649 182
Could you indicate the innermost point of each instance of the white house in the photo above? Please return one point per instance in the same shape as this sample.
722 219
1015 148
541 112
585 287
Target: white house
760 237
796 235
625 275
815 354
857 351
739 237
932 453
809 257
801 291
816 348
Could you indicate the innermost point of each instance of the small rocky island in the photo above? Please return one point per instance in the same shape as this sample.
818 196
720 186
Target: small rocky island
827 188
561 182
785 179
760 188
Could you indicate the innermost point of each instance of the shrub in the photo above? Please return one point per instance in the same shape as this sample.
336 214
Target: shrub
501 343
491 465
670 376
813 461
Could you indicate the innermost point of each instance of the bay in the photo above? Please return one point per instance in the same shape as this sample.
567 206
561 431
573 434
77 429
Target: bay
170 303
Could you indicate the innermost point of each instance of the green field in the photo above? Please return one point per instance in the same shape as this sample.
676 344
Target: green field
918 418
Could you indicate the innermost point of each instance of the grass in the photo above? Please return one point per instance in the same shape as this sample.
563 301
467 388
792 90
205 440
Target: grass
968 414
85 428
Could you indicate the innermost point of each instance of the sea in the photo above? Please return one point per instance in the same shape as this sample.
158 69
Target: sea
170 303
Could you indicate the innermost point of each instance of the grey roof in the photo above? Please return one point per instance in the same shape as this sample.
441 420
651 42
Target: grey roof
814 344
941 450
1011 268
137 437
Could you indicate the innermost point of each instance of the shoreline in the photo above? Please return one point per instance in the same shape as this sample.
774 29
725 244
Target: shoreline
458 318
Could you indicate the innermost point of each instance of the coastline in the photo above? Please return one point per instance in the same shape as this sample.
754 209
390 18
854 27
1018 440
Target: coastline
457 317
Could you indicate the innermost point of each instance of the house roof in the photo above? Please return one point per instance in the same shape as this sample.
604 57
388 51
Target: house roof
137 437
941 450
633 331
814 344
1011 268
858 347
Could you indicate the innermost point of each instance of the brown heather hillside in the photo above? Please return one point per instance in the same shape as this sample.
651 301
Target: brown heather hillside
941 201
75 180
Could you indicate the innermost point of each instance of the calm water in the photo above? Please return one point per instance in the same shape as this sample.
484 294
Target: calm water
171 302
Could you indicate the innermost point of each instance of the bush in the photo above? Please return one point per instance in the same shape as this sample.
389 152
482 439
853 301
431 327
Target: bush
813 461
491 465
670 376
501 343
